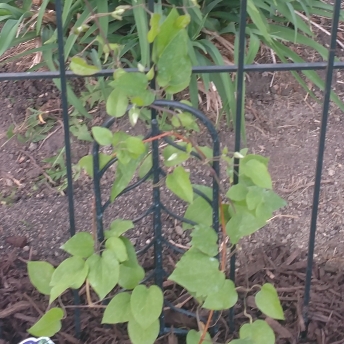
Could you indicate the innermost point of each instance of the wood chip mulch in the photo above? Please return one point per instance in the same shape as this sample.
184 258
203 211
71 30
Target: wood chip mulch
21 305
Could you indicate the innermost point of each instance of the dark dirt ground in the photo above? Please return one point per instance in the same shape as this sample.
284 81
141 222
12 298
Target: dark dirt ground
282 123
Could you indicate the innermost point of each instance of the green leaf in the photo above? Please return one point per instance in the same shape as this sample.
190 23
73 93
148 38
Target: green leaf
124 174
81 132
80 67
154 27
141 21
186 120
118 310
271 202
241 224
174 66
81 244
117 103
254 197
86 162
118 141
237 192
144 98
174 156
130 273
40 274
225 298
258 19
140 335
41 13
166 34
135 146
103 272
146 304
179 183
118 227
257 172
102 135
200 211
193 337
198 273
254 45
116 245
207 151
259 332
268 302
224 85
49 324
131 84
8 33
182 21
146 166
71 273
204 238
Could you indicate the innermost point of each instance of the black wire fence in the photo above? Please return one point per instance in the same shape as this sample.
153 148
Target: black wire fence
157 207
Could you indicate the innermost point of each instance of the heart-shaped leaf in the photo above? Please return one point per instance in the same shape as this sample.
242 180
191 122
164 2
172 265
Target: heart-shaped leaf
257 172
179 183
259 332
71 273
140 335
40 274
81 244
146 304
49 324
225 298
116 245
268 302
198 273
103 272
118 310
204 238
130 273
118 227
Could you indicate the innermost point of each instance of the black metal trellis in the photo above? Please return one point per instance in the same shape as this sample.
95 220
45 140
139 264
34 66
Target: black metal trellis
157 207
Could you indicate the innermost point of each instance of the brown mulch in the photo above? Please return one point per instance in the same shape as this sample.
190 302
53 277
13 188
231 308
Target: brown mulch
21 305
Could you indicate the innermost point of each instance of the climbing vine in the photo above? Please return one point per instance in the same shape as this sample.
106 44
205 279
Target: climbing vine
113 265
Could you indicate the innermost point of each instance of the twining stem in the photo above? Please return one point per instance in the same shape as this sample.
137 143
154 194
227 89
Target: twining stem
207 325
222 215
88 294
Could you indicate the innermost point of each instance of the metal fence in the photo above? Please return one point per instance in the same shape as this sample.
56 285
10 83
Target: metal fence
157 207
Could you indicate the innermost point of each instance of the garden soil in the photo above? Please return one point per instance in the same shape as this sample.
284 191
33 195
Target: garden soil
283 123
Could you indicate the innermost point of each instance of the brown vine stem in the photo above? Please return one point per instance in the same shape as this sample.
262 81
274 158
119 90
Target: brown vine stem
222 216
88 294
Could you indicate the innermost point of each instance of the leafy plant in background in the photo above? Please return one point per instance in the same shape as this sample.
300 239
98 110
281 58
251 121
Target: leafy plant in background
212 34
106 267
33 129
56 169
